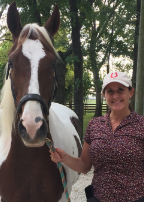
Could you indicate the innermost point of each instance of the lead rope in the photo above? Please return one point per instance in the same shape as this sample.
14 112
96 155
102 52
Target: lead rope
51 146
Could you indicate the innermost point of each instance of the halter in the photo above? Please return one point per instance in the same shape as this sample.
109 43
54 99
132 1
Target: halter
31 96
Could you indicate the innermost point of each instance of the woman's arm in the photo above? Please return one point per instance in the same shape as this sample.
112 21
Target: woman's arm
81 164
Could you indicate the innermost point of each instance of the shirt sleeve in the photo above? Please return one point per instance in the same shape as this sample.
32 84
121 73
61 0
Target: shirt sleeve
87 135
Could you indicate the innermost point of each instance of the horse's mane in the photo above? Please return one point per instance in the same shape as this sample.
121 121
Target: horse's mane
7 116
7 107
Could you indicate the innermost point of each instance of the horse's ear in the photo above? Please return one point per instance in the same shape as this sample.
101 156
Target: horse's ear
53 23
13 20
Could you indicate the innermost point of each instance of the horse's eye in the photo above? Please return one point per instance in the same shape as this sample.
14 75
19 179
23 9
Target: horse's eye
10 64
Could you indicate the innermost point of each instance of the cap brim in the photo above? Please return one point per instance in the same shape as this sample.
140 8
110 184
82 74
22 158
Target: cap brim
118 81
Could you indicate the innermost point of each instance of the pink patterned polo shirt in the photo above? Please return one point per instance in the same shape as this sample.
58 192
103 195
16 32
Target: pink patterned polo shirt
117 157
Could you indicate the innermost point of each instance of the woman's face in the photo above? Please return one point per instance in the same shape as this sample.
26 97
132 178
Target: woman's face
117 96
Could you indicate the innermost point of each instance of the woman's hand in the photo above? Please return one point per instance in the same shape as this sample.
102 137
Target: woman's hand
58 155
80 164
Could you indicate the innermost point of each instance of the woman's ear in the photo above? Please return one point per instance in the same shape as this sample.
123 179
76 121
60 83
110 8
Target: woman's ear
131 92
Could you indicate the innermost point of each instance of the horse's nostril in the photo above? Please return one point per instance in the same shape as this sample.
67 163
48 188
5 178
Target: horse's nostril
42 131
21 129
38 136
38 119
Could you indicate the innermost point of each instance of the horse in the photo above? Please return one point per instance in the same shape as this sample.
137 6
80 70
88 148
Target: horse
28 116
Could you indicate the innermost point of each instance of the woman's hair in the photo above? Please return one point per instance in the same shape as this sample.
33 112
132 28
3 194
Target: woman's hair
130 106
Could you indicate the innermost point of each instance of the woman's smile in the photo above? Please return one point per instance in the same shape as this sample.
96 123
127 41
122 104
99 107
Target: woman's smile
117 102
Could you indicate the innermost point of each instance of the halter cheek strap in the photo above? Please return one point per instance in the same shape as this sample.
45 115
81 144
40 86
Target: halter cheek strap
10 66
14 97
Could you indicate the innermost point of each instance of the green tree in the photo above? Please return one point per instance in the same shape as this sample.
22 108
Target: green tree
87 84
4 49
78 63
109 31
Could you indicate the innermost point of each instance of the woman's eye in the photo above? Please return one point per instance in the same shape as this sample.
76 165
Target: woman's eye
120 90
110 91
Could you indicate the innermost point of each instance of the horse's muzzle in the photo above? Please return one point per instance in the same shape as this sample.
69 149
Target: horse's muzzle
39 137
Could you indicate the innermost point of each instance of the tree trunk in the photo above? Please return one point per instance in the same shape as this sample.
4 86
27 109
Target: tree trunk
108 65
135 51
140 66
95 69
61 72
78 63
98 111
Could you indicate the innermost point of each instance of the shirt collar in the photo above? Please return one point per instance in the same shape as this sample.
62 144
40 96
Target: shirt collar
132 117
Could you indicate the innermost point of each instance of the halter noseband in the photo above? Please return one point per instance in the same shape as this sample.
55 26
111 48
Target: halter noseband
31 96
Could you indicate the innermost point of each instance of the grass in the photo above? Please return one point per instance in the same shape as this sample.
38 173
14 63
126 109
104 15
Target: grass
86 118
90 101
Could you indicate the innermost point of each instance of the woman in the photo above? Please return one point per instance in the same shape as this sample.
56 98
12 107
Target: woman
114 145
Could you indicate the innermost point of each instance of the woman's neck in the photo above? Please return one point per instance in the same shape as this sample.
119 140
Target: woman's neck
119 116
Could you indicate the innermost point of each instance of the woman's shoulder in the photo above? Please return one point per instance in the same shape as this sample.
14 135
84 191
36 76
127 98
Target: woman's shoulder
137 120
137 117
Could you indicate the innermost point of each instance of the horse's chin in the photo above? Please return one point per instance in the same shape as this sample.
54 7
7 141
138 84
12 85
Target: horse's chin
34 144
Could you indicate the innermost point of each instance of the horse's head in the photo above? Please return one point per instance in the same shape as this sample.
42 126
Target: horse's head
31 71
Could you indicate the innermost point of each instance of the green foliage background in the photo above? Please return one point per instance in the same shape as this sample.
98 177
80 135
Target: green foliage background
102 17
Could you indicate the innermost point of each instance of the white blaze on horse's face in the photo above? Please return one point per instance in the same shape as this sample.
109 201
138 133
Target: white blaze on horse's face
32 114
34 51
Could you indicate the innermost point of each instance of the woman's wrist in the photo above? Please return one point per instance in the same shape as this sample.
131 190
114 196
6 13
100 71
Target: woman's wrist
65 158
